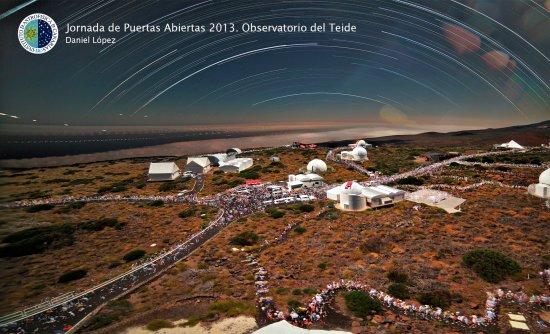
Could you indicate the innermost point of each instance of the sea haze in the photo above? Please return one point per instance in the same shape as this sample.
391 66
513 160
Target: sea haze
54 146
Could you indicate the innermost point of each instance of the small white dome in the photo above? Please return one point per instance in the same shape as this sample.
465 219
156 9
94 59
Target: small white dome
545 177
361 142
351 188
317 166
359 151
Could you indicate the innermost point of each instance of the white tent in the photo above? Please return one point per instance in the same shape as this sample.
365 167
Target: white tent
163 171
283 327
511 144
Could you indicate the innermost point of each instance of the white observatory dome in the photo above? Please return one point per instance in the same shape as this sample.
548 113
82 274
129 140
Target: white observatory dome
544 177
361 143
317 166
359 151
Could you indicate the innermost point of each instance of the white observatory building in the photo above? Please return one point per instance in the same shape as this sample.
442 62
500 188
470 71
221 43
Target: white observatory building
316 166
541 189
163 171
351 196
359 153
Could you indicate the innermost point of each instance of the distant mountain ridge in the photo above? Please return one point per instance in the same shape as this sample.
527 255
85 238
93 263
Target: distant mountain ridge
529 135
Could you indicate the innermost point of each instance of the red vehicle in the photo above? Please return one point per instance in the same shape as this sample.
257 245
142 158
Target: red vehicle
253 182
303 145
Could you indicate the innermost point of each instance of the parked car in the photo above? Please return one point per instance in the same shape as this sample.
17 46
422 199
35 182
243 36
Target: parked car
189 174
305 198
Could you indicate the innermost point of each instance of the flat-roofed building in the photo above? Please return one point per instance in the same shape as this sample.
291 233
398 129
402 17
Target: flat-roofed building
309 180
436 198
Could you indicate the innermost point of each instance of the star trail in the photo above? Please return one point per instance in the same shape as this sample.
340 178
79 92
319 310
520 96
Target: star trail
447 61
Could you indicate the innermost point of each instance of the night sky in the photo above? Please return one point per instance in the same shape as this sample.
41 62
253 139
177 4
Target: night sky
476 62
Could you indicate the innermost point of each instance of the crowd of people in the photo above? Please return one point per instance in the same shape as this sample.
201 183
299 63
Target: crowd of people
477 185
502 164
89 199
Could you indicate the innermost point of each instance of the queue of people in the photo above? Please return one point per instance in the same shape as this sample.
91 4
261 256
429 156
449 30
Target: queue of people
89 199
315 310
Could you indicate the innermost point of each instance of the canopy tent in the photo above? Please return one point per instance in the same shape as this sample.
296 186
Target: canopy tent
511 144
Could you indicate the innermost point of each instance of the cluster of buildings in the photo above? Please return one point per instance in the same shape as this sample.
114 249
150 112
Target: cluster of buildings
351 196
358 152
310 179
228 162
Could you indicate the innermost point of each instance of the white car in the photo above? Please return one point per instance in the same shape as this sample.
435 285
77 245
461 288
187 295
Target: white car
305 198
189 174
289 199
183 192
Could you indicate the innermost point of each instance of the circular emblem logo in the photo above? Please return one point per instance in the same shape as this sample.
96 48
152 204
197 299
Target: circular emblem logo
38 33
